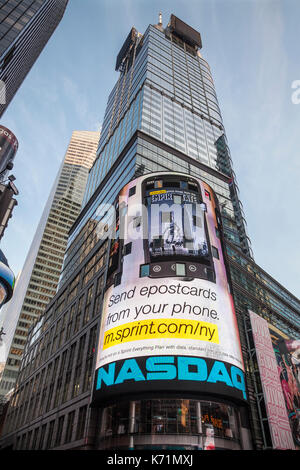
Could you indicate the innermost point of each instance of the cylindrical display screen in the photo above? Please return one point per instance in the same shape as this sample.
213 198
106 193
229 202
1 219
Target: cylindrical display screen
3 293
168 321
8 147
7 281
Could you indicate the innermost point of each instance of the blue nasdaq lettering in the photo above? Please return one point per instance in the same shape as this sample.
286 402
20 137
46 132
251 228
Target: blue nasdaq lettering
172 368
238 380
184 372
108 377
219 373
130 371
161 368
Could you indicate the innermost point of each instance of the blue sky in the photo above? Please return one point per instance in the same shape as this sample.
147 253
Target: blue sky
252 47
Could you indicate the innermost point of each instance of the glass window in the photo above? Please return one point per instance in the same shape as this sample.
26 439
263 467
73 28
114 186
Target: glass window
59 431
174 416
81 422
70 425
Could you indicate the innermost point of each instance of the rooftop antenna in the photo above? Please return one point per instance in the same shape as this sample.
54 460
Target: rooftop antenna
160 18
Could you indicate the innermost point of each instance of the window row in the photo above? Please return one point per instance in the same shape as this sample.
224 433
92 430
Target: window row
65 429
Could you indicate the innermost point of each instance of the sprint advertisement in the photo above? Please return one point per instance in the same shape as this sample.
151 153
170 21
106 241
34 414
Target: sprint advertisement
170 333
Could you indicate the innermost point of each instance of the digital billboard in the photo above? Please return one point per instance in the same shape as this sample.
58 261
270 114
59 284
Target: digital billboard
287 354
8 147
7 280
276 379
168 321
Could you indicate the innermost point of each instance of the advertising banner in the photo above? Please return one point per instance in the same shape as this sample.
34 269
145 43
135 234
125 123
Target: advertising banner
8 147
7 282
168 321
287 353
274 399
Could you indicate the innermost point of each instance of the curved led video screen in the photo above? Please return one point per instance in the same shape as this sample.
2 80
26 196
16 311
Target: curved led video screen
168 321
8 147
7 282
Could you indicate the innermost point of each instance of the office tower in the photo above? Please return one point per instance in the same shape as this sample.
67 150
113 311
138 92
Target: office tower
38 280
162 138
25 28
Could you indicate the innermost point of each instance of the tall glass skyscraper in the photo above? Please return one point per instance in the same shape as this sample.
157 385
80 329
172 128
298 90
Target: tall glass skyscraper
25 28
165 89
162 137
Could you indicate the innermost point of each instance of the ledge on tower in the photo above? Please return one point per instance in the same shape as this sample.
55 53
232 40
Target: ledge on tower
127 46
185 32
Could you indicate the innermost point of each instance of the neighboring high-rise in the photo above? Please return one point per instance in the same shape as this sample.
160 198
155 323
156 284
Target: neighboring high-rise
25 28
38 280
8 149
92 376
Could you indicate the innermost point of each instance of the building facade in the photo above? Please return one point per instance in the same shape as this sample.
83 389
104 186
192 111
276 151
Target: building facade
38 280
25 28
162 122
